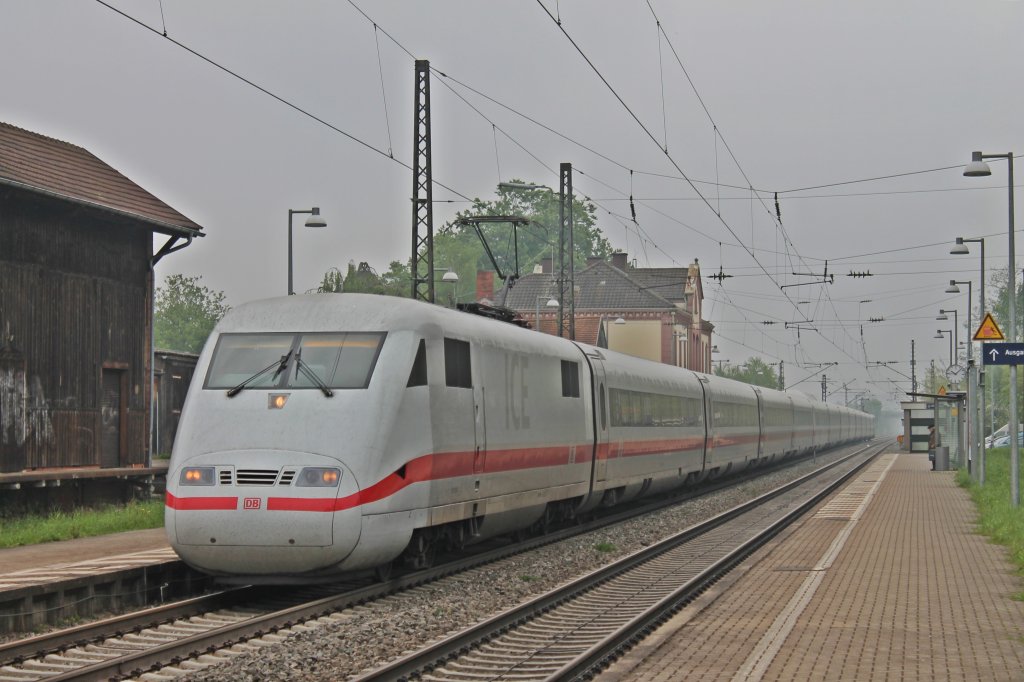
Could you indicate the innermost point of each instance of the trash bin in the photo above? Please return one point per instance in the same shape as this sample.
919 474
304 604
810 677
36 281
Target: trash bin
941 462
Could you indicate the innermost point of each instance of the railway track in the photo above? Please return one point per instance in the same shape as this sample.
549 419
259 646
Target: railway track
573 631
219 625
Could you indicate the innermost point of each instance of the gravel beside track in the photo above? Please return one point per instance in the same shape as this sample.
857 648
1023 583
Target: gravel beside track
361 638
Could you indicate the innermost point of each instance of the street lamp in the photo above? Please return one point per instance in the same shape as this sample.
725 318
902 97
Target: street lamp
961 248
449 277
943 315
978 168
314 220
941 333
566 248
552 303
972 417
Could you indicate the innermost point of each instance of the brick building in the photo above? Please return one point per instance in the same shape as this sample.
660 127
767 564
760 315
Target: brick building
653 313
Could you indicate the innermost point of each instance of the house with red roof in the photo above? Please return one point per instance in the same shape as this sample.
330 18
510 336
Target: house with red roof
652 313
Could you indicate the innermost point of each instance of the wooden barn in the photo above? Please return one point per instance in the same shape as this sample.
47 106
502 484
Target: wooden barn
171 376
76 301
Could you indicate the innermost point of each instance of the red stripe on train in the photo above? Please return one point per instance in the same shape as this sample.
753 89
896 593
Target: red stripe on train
440 466
204 503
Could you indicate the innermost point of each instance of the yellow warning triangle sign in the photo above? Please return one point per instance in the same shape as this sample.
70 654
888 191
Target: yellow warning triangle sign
989 330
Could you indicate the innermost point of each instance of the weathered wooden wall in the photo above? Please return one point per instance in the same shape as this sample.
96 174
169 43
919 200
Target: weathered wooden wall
75 294
173 375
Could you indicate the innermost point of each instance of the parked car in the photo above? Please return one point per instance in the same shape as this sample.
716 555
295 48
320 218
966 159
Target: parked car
1004 441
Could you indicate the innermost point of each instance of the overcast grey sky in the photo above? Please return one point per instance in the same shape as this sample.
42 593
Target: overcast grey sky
802 94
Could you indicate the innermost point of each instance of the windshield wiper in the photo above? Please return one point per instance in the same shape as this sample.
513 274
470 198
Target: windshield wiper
303 366
280 365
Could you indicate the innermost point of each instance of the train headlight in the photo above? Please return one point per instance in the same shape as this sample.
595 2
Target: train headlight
196 476
318 477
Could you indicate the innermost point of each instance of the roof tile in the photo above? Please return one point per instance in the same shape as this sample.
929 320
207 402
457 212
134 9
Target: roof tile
51 165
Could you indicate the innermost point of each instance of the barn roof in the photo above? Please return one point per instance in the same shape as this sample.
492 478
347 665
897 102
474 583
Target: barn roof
65 171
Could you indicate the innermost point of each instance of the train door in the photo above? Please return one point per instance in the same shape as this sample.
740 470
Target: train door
479 413
479 429
761 430
465 404
708 422
599 391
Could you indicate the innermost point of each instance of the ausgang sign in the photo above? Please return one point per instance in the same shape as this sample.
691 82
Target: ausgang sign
1002 353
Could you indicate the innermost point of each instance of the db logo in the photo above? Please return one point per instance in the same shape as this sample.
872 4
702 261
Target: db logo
251 503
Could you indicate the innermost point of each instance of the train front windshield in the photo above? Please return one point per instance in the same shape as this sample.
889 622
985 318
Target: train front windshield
270 361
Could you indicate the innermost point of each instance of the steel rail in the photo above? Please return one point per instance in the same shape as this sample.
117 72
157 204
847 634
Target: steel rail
58 640
439 653
136 662
596 658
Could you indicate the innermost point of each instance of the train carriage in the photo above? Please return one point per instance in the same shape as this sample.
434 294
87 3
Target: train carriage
778 421
734 425
656 425
327 434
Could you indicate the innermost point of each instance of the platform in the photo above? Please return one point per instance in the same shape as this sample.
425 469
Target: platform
886 580
55 582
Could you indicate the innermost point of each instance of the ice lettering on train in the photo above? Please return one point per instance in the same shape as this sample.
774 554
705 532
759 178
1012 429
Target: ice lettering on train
516 392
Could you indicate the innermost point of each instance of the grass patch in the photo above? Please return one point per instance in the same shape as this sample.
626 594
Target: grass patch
998 519
80 523
604 547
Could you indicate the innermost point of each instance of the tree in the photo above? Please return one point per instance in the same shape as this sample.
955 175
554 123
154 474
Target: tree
457 245
332 283
185 313
997 378
754 371
363 279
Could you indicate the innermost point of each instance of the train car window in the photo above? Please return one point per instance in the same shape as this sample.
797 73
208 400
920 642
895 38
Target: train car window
640 408
238 357
735 414
339 359
570 379
342 360
418 375
457 372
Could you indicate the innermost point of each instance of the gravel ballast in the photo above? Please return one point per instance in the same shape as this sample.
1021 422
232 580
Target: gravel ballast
365 637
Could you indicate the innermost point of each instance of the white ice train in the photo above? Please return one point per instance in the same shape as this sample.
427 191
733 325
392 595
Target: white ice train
330 433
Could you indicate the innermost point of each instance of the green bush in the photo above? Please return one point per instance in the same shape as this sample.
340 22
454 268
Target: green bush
998 518
80 523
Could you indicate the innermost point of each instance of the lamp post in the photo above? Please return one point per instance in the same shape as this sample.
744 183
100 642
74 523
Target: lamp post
314 220
608 331
961 248
449 277
943 315
978 168
552 303
972 421
529 186
939 334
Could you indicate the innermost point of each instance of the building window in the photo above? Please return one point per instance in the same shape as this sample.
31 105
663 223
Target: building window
456 364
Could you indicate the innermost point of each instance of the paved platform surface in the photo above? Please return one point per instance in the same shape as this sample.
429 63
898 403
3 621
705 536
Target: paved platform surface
886 581
50 561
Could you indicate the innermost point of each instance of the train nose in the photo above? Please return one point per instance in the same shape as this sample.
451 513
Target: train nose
258 518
